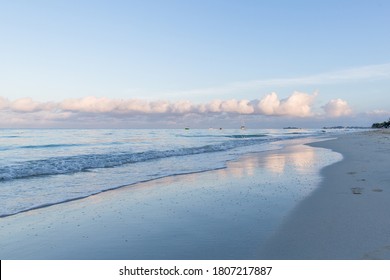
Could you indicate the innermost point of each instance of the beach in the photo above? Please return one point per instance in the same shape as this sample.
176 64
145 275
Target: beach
347 216
324 200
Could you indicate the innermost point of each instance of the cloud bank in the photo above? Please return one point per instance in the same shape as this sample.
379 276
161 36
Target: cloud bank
298 104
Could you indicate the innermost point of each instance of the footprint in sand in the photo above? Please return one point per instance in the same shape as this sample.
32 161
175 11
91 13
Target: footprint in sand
377 190
357 190
351 173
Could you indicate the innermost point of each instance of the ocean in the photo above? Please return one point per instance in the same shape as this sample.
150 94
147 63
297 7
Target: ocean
42 167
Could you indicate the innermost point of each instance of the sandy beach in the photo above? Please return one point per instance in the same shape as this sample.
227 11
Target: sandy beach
347 217
279 204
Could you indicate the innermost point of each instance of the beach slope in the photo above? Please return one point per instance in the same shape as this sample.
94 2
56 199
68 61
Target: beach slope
348 216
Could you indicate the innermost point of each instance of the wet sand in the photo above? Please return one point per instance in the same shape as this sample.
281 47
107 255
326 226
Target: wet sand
348 216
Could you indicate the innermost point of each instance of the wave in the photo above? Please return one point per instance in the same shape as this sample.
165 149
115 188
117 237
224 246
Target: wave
10 136
235 136
81 163
48 146
51 146
246 136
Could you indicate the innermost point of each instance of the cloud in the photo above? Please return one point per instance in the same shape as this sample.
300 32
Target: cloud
181 107
88 104
269 104
25 105
337 108
298 104
379 112
227 106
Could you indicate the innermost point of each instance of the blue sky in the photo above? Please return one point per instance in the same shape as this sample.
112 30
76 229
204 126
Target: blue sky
105 58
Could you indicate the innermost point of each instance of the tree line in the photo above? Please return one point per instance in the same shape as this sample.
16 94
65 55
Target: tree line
381 125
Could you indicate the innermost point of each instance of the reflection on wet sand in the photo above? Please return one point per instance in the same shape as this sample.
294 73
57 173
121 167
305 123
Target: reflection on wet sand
299 158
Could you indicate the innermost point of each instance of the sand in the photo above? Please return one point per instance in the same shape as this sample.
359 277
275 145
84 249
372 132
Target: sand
269 205
348 216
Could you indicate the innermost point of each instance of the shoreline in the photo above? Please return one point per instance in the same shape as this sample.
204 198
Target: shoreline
103 191
347 216
221 214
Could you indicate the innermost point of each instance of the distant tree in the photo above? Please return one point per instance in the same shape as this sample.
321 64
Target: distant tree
381 125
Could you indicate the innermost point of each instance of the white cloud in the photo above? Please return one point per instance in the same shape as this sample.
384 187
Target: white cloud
182 107
27 104
337 108
88 104
298 104
212 107
379 112
269 104
236 106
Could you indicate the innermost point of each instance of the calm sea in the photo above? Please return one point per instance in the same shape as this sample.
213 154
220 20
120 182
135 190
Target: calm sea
40 167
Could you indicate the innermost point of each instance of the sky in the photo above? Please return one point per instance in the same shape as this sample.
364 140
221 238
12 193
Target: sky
214 63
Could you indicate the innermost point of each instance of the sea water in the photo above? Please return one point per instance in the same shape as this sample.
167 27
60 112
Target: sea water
41 167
